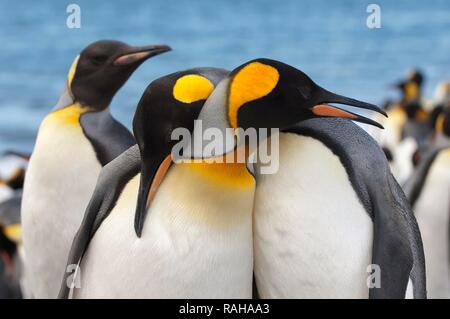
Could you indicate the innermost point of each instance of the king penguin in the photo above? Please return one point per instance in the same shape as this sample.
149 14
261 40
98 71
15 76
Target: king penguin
74 141
197 239
332 211
428 190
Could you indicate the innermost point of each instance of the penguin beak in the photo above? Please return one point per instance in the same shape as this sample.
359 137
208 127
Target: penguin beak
152 176
139 54
325 110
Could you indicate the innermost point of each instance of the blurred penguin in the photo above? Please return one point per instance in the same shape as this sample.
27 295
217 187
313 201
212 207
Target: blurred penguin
406 128
429 193
10 248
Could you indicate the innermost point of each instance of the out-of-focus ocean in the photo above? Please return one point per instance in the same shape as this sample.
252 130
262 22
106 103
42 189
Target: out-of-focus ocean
329 40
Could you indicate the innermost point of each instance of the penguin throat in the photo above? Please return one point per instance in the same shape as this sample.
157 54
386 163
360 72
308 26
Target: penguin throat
69 115
233 175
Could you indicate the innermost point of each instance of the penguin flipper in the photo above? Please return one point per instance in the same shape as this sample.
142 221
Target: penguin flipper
110 183
397 244
397 247
108 136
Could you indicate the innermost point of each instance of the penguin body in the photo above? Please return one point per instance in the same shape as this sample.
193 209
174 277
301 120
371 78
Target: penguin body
197 241
360 219
310 225
337 216
50 215
428 191
74 141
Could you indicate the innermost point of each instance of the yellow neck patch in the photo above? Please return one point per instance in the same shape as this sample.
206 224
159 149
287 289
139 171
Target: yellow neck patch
71 73
233 175
69 115
14 232
252 82
192 88
411 91
439 127
421 115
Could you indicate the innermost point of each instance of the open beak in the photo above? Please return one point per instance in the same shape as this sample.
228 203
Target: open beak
152 176
326 110
140 54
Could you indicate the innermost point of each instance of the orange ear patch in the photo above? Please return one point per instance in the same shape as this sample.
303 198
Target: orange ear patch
192 88
252 82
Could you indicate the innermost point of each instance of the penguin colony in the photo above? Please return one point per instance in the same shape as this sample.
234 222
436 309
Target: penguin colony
109 213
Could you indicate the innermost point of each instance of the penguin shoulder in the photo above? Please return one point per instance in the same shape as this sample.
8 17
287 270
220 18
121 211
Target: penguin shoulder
357 151
108 137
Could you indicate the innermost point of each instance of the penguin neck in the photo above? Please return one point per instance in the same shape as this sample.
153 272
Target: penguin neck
67 99
69 115
219 195
227 170
234 175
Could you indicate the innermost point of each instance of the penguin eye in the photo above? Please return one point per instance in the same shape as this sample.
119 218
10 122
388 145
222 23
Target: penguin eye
98 59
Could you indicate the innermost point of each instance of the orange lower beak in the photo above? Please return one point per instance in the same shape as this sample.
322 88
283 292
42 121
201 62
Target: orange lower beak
325 110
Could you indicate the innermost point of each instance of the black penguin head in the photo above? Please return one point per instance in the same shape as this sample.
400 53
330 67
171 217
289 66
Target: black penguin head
416 76
103 67
171 102
267 93
410 88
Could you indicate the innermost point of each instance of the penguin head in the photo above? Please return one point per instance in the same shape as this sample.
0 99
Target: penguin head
171 102
415 76
267 94
410 87
99 71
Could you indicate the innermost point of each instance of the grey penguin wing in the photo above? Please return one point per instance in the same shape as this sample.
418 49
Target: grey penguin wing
397 245
113 177
108 136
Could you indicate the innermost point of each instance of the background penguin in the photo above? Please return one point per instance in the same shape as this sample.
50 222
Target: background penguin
74 141
333 208
12 173
10 248
429 193
407 127
196 241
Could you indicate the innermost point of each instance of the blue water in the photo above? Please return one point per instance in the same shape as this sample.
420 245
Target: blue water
329 40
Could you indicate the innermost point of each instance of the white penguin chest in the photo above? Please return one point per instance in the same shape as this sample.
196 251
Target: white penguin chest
59 182
62 171
196 243
313 238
